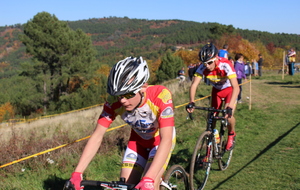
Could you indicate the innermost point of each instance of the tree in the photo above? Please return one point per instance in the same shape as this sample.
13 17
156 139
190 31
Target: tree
67 54
169 67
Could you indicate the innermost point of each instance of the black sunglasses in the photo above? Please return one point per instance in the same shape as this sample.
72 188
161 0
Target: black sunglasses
126 96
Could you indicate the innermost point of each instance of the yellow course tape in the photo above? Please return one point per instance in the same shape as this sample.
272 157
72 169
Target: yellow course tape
64 145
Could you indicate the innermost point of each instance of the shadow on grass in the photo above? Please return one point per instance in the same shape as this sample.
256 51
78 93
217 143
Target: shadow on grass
291 86
260 154
280 83
54 183
284 84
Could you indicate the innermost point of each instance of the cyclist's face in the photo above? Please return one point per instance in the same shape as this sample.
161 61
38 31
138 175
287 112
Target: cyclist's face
130 102
210 64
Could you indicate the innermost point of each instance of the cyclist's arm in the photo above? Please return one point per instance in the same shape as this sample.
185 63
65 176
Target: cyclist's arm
163 151
235 92
91 148
193 88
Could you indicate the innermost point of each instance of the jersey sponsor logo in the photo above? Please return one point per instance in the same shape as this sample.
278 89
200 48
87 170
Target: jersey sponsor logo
167 113
142 126
131 156
134 166
165 96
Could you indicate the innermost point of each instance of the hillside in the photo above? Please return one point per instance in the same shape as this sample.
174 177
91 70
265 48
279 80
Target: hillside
69 65
114 37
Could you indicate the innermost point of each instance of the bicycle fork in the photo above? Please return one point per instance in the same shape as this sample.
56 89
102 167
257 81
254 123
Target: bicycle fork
212 148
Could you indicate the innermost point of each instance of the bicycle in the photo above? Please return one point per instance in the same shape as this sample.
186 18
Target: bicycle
175 178
207 149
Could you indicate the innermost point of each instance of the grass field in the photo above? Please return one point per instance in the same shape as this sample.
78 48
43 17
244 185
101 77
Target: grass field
266 155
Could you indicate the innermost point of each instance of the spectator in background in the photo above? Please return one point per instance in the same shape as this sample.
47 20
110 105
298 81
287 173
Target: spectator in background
292 59
239 67
191 71
196 67
223 52
260 64
181 75
254 67
247 69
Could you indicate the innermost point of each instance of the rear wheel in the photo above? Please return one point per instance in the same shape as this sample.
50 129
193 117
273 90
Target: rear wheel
201 161
225 156
176 178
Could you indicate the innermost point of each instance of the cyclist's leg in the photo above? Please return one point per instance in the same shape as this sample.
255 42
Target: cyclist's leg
216 101
134 162
152 154
231 123
217 96
158 178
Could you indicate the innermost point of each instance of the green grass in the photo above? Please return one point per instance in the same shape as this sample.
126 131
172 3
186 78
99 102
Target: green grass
266 155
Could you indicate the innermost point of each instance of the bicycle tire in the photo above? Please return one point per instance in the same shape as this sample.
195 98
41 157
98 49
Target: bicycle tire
177 178
199 170
225 156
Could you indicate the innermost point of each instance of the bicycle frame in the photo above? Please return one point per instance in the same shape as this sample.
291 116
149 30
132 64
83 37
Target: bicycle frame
207 149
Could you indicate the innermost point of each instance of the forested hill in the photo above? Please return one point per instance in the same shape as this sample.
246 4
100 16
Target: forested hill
123 36
66 64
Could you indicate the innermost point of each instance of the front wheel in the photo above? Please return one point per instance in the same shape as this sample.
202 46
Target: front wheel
176 178
201 161
225 156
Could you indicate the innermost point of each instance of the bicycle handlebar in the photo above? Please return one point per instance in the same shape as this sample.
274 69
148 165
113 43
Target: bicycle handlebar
112 184
209 109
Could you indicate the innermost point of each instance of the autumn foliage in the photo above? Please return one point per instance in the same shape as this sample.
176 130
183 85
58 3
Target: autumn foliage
6 111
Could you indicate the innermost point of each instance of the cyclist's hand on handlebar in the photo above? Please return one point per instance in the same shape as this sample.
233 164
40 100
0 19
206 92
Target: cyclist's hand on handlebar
228 112
76 179
145 184
190 107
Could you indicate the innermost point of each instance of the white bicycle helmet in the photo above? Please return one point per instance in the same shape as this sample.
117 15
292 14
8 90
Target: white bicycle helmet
127 76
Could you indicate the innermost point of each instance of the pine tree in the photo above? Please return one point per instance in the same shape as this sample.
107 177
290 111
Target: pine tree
67 54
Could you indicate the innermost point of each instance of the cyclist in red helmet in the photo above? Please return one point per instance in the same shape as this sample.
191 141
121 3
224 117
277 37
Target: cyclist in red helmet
221 74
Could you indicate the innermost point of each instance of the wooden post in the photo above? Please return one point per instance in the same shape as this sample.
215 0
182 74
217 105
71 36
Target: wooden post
283 63
250 92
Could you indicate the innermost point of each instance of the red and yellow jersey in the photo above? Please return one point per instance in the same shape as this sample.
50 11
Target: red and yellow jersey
155 113
220 76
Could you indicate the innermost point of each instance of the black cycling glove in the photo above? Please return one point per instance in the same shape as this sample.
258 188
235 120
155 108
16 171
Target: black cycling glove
229 112
190 105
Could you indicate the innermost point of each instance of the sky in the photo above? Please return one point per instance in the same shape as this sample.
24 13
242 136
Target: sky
274 16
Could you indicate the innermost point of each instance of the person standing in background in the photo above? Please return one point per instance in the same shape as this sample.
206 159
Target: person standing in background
247 69
239 67
292 59
260 64
181 74
191 71
254 67
223 52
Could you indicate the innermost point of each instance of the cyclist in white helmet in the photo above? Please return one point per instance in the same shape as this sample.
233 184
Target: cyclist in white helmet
149 112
